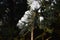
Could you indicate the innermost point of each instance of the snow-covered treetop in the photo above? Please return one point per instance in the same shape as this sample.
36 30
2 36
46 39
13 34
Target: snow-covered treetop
27 18
34 4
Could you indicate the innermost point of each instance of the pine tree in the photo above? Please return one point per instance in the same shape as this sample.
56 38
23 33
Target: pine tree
40 14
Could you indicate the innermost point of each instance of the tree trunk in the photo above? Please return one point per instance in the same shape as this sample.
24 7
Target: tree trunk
32 32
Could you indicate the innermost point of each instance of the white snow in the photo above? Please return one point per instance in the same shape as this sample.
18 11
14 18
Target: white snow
41 18
52 4
26 25
28 13
30 1
20 24
20 21
39 10
27 17
24 19
35 5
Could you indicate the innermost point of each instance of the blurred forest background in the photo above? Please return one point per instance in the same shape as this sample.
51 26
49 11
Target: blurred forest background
12 10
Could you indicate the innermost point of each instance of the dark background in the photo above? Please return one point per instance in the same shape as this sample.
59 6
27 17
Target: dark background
15 10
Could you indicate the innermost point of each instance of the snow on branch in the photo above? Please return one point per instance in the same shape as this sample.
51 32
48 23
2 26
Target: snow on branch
34 5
